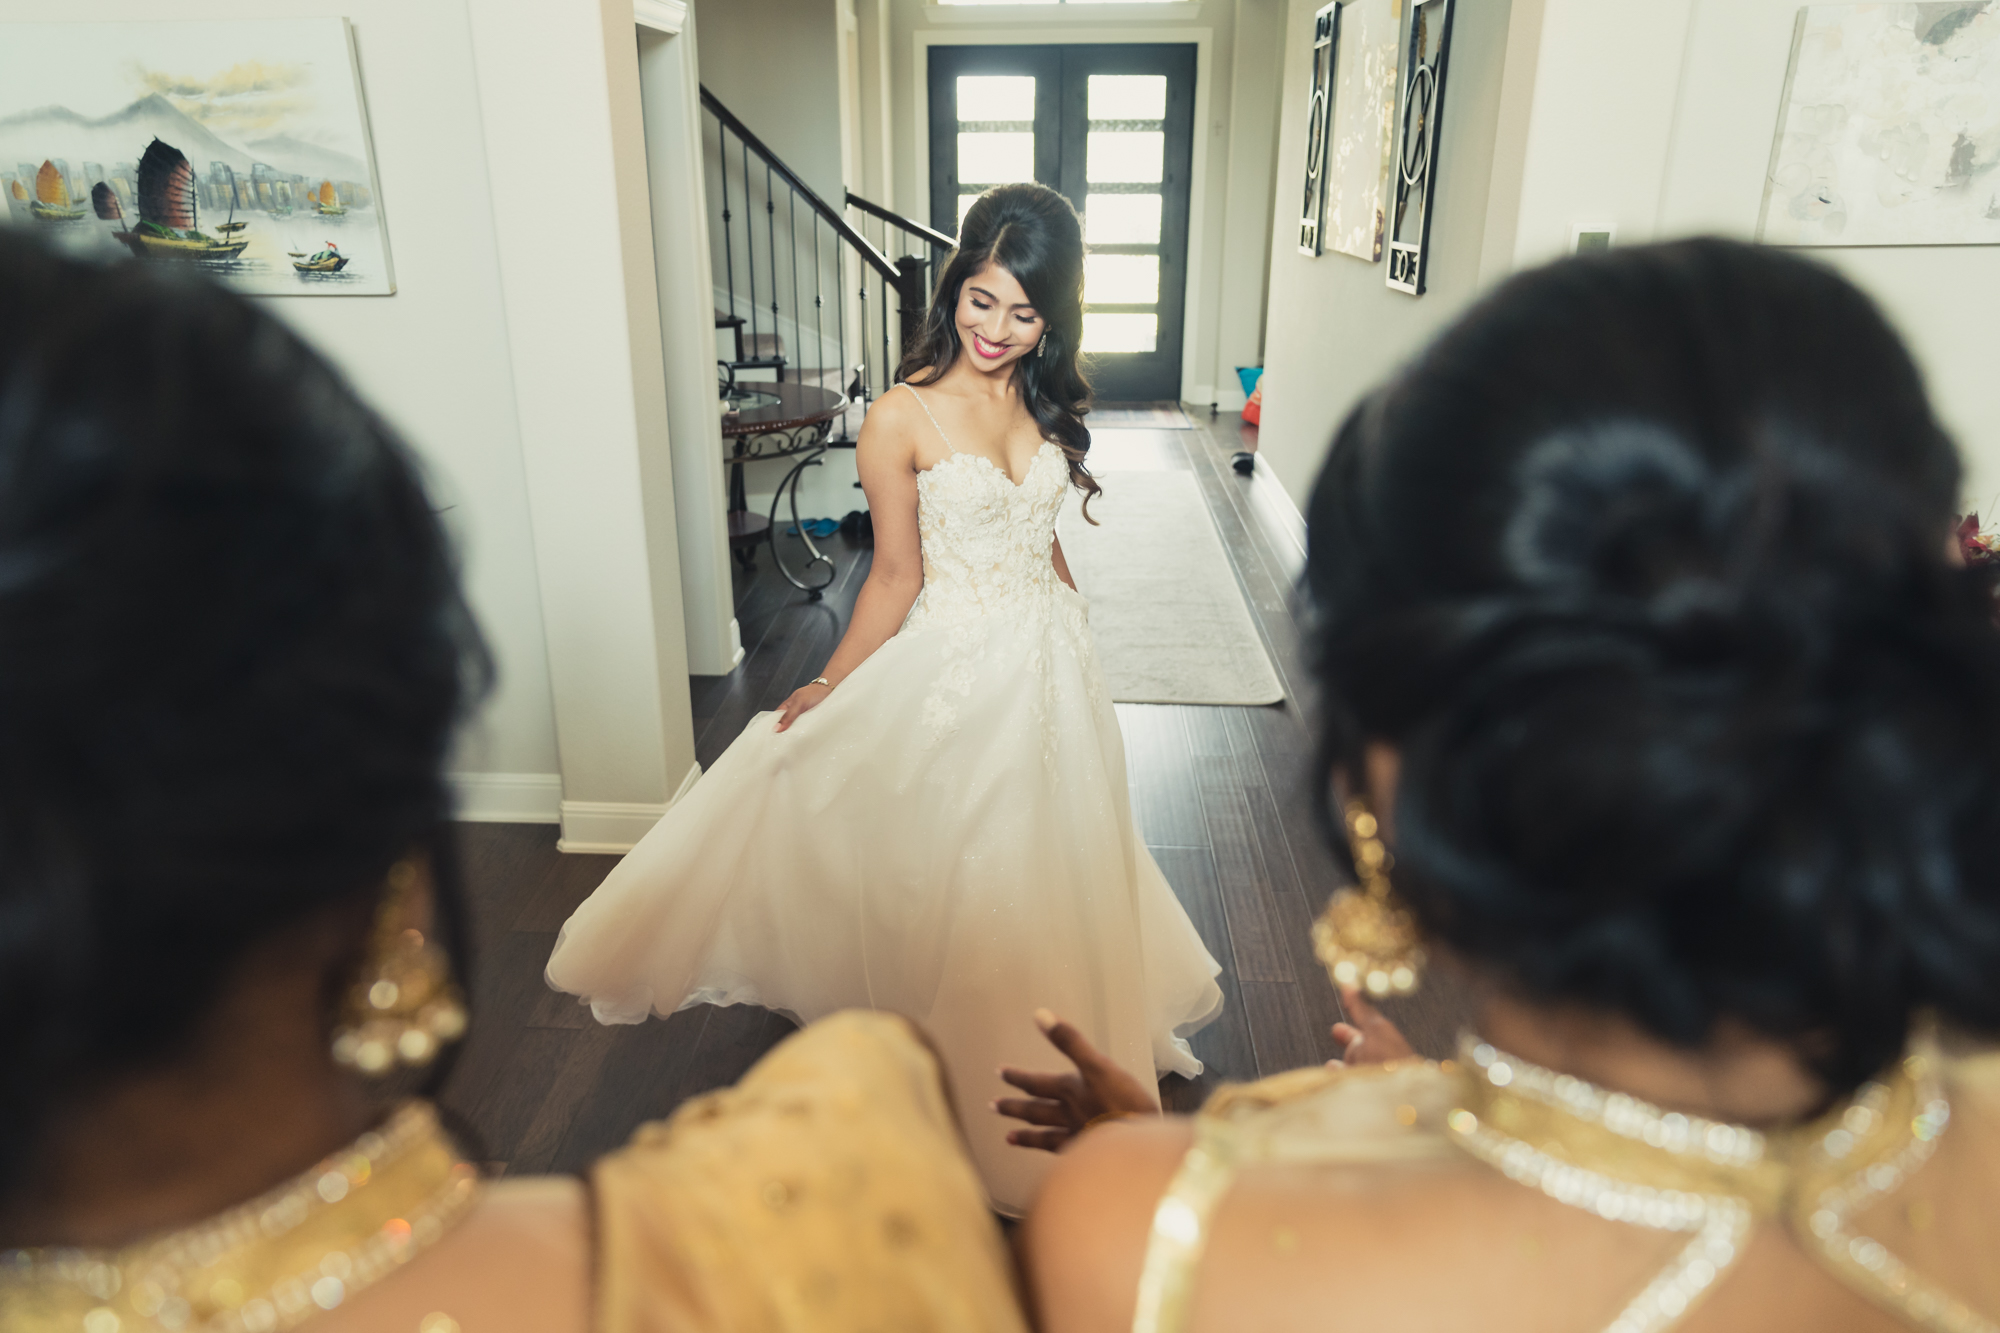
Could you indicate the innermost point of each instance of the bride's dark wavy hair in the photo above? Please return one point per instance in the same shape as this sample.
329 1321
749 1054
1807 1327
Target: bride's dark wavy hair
1033 233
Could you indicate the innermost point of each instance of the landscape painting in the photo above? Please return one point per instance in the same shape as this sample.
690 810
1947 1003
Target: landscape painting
1889 132
237 148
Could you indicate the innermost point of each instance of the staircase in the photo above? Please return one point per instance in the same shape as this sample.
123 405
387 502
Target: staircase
806 291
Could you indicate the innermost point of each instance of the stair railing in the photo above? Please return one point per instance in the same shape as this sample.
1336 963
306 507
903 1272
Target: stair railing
921 252
781 273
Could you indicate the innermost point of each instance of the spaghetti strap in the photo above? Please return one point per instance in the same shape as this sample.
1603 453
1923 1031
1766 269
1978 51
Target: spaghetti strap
927 412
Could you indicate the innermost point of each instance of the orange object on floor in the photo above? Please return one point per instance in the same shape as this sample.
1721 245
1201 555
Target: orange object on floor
1253 411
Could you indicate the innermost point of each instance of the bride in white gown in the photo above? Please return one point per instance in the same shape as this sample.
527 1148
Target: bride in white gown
939 826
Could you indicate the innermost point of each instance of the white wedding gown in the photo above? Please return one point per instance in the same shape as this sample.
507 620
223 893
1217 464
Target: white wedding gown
948 836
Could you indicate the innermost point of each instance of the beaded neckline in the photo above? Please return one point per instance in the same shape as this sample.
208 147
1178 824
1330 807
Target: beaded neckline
263 1266
1629 1161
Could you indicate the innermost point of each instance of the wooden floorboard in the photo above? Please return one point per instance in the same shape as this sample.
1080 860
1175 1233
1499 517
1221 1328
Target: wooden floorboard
1222 797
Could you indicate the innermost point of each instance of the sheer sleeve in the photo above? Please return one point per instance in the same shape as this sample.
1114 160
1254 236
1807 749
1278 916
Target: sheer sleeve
827 1190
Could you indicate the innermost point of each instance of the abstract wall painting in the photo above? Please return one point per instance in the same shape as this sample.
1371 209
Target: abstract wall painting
1363 129
1889 131
237 148
1426 44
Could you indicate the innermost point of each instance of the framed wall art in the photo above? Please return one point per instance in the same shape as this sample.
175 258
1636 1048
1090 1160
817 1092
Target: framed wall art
239 148
1319 115
1889 130
1426 44
1362 128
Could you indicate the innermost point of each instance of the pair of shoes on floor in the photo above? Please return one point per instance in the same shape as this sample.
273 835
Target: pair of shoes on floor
815 527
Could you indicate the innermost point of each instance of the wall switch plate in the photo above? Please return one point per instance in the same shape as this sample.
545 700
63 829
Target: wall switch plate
1587 236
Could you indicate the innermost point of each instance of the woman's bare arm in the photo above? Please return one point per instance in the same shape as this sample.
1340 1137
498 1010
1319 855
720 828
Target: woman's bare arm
885 456
1062 565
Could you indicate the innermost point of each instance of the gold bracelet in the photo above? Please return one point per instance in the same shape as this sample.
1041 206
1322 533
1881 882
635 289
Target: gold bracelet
820 680
1105 1119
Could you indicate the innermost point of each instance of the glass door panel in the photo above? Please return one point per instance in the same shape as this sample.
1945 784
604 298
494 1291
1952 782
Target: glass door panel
992 122
1128 137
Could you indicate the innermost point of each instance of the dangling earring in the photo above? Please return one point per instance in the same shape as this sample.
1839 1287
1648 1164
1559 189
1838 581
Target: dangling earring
1366 937
1043 345
404 1006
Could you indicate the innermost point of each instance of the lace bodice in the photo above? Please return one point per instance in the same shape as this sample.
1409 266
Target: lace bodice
985 540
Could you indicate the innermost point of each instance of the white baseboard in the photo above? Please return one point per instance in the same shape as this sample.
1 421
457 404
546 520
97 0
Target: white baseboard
1270 495
614 827
1203 394
687 785
1230 400
507 798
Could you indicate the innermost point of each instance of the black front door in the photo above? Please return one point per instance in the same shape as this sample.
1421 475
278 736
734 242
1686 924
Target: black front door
1112 127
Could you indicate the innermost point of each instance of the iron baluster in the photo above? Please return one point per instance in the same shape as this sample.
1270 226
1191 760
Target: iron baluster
819 304
749 241
728 249
798 325
771 239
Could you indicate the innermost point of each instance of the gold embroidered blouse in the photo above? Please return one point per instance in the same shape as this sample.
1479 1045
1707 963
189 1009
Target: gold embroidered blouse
1606 1152
828 1190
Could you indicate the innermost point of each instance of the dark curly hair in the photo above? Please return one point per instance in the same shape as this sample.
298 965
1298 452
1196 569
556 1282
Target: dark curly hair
1033 233
232 653
1642 566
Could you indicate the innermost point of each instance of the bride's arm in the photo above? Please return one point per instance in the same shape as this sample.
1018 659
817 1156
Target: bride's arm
885 456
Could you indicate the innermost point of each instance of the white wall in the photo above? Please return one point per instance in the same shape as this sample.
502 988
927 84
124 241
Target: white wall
1249 195
584 337
433 357
1334 328
1729 85
776 64
1657 116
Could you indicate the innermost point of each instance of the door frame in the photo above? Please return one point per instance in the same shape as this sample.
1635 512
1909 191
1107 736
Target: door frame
1144 34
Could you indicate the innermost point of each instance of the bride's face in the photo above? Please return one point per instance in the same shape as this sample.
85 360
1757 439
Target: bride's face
997 324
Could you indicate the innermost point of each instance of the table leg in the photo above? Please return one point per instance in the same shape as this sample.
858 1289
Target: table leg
790 486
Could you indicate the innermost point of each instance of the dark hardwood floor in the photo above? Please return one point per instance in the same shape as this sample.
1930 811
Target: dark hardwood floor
1221 797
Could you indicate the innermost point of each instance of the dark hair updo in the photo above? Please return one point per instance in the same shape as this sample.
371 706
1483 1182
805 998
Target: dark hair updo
232 651
1642 566
1033 233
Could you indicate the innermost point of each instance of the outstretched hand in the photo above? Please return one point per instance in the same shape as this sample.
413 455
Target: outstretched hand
1060 1105
800 702
1371 1039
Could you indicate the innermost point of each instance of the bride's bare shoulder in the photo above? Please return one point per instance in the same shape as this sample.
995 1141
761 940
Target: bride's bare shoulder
894 427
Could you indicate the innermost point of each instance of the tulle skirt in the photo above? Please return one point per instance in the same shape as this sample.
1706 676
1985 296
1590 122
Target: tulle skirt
948 837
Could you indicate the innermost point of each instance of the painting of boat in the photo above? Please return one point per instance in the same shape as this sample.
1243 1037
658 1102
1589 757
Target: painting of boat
51 202
230 229
253 134
169 222
329 260
104 202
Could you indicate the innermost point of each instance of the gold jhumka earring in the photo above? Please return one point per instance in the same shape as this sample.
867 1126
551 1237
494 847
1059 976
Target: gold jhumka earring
1043 345
404 1006
1366 937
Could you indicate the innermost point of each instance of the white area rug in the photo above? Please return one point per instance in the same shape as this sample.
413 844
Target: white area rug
1171 625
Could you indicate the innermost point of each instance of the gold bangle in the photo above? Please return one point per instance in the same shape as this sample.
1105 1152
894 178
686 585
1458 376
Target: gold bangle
1105 1119
820 680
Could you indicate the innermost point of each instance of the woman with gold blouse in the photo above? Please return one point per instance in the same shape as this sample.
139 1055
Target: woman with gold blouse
1657 704
232 654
